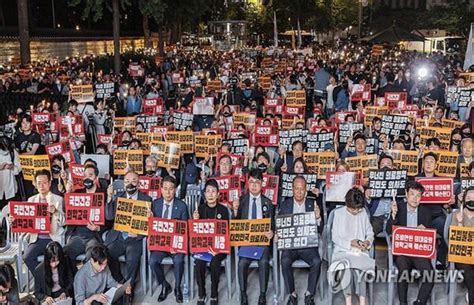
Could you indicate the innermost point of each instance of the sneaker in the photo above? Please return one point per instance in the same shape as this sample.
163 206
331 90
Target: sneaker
309 299
292 300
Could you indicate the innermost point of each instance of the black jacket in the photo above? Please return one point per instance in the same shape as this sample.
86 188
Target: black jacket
424 217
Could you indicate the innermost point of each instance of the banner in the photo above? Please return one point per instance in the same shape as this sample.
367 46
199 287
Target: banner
414 242
131 216
81 93
203 106
82 208
62 148
229 188
168 154
77 176
104 90
296 231
319 142
132 158
396 100
387 183
393 124
250 232
182 120
289 136
150 186
338 184
267 136
153 106
167 235
209 234
287 183
237 146
32 163
30 217
184 138
461 245
437 190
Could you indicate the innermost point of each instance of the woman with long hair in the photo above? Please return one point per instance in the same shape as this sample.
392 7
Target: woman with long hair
8 285
54 277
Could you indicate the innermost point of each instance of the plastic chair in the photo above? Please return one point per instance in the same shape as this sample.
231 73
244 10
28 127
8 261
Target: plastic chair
13 254
451 287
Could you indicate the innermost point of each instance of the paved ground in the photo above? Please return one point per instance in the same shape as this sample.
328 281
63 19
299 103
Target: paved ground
380 290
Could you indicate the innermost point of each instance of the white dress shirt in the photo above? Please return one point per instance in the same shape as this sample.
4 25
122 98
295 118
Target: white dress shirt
259 206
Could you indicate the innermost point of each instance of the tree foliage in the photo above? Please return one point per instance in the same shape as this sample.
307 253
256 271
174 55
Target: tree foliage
95 8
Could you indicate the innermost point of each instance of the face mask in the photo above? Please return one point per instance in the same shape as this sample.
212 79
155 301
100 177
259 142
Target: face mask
131 188
125 143
456 142
262 167
88 183
227 114
466 134
150 173
56 169
470 205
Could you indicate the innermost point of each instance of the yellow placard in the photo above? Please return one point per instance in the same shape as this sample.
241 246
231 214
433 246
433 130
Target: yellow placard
32 163
249 232
167 153
133 158
184 138
363 164
131 216
461 243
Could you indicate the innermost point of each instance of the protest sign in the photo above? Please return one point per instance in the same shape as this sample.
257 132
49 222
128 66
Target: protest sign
184 138
265 82
396 100
447 163
288 137
287 183
267 136
126 160
32 163
147 121
443 135
77 176
387 183
296 231
136 70
83 208
270 187
103 163
104 90
296 98
177 78
30 217
393 124
451 124
237 146
71 126
461 245
466 183
319 142
167 235
273 105
153 106
246 119
182 120
414 242
150 186
207 145
320 162
363 164
207 234
338 184
214 85
81 93
131 216
39 122
250 232
405 159
168 154
203 106
62 148
437 190
361 93
229 188
347 130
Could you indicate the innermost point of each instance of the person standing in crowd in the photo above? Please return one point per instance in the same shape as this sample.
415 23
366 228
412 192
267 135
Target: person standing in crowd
9 168
37 242
301 204
352 243
54 277
94 279
254 205
412 214
133 104
122 243
168 207
212 209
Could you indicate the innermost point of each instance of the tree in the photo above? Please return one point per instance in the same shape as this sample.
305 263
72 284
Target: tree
23 28
154 9
96 7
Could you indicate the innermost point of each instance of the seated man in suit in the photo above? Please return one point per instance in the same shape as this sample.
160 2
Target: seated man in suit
168 207
300 204
255 205
121 243
38 242
412 214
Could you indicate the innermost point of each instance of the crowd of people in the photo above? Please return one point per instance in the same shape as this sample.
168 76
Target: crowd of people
328 75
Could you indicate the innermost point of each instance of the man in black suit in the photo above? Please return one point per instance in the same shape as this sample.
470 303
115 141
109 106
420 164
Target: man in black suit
412 214
254 205
168 207
300 204
121 243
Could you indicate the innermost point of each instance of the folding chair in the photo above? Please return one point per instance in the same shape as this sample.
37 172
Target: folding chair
13 254
453 276
227 264
193 197
254 264
330 245
393 273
